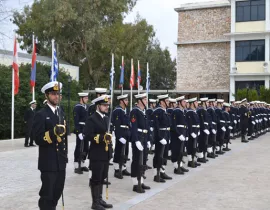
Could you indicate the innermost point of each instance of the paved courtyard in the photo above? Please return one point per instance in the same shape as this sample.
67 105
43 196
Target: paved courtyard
238 180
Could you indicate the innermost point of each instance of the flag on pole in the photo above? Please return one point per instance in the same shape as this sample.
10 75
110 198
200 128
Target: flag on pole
132 75
112 74
15 66
121 82
139 78
54 67
147 80
33 68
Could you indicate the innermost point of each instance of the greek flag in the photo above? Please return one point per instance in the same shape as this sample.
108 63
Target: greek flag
54 67
147 80
112 74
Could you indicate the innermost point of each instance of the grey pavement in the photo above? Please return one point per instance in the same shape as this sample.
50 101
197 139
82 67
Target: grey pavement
237 180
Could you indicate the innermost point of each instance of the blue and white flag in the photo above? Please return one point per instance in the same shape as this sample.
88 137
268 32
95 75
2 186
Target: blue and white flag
54 67
112 74
147 80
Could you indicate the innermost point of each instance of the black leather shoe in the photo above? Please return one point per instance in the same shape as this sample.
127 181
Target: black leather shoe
226 149
244 141
85 169
125 173
145 187
211 155
201 160
118 174
78 171
192 164
148 167
138 189
184 169
159 179
32 145
178 171
26 145
165 176
105 182
220 152
197 164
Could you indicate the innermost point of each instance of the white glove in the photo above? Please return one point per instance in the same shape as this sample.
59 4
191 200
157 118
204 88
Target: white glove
182 138
238 120
199 133
253 123
151 128
223 128
214 131
257 121
123 141
186 138
148 145
163 141
230 127
265 119
139 145
80 136
193 135
235 122
206 131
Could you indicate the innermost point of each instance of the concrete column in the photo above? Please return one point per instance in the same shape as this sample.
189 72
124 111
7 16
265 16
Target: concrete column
267 49
267 15
266 82
232 53
233 16
232 88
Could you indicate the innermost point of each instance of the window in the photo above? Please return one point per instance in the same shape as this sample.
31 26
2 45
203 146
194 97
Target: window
251 10
249 50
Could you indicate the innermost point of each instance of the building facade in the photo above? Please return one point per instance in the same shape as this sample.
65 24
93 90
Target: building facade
223 46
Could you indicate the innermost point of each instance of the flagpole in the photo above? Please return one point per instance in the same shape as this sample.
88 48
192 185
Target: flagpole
122 89
33 88
12 102
138 80
131 86
147 83
52 66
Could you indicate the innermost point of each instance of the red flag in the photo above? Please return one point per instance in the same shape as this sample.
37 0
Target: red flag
16 68
132 76
33 69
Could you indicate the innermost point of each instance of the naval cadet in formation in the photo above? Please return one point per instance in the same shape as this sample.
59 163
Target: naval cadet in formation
49 131
162 134
121 122
228 126
28 120
178 135
244 116
81 148
140 141
193 123
149 114
100 151
99 92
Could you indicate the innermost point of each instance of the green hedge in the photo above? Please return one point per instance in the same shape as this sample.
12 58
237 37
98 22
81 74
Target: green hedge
24 96
253 95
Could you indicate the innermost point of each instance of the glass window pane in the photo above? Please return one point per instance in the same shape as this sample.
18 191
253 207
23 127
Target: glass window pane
257 42
261 12
261 53
254 53
238 54
242 3
239 14
246 53
254 13
257 2
246 13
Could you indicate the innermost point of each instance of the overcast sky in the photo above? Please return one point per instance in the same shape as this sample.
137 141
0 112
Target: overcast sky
159 13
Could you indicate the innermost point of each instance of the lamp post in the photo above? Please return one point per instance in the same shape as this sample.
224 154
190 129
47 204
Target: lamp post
69 81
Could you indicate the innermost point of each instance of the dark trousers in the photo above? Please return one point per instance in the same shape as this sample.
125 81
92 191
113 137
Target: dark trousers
159 158
135 164
28 134
118 156
99 172
203 142
77 151
244 126
51 189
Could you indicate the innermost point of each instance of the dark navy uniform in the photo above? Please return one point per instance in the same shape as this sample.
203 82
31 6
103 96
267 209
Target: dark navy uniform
221 129
28 120
80 116
193 123
91 109
228 126
178 137
243 111
162 131
204 133
52 156
100 152
121 122
213 132
139 133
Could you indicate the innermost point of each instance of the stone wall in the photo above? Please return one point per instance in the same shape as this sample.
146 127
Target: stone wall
204 24
203 67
